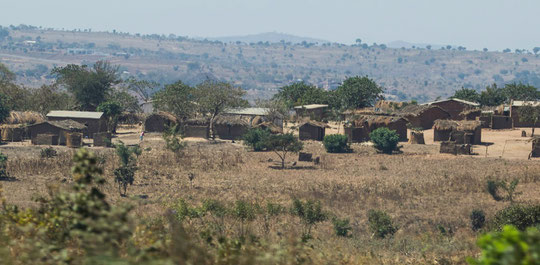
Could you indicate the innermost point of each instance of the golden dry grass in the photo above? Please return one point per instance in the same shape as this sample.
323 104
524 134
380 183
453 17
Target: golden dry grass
421 189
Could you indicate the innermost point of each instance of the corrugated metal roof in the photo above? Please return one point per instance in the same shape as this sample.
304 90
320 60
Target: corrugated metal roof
453 99
519 103
311 106
75 114
248 111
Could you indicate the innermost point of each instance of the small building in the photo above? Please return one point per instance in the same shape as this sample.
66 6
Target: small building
501 122
255 115
359 129
423 116
197 128
55 128
312 130
231 127
312 111
514 113
454 106
443 130
94 121
159 122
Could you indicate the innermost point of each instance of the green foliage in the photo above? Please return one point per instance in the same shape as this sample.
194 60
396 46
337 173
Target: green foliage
48 152
4 109
173 140
300 93
467 94
357 92
176 98
521 92
90 86
127 102
529 113
478 219
494 188
385 140
510 246
492 96
520 216
256 139
111 110
342 227
381 224
282 144
125 174
3 166
336 143
309 212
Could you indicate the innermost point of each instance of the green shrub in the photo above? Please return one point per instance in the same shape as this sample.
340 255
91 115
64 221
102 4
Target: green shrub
256 138
520 216
385 140
48 152
336 143
510 246
3 167
125 174
310 213
493 188
173 140
381 224
341 227
478 219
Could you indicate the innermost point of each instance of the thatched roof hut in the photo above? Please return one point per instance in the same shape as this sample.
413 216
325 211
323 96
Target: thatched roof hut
57 128
373 122
159 122
232 127
131 118
274 129
443 130
24 117
312 130
422 116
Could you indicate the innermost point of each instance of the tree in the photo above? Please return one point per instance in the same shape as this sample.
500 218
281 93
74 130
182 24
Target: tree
90 86
357 92
127 102
6 76
282 144
300 93
125 174
277 109
385 140
467 94
529 113
111 110
492 96
214 97
4 110
50 97
520 92
142 88
176 98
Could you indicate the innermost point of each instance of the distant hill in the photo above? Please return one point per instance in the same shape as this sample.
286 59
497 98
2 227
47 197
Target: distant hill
408 45
271 37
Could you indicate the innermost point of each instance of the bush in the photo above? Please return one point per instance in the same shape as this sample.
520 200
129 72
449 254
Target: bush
336 143
493 187
385 140
256 138
310 213
520 216
478 219
48 152
510 246
380 224
342 227
173 140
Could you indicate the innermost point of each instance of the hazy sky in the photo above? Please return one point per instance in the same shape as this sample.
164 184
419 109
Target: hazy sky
475 24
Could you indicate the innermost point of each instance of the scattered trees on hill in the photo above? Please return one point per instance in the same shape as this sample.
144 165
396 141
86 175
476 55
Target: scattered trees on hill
90 86
4 110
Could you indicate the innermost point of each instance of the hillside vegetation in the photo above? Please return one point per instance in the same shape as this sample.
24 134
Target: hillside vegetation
406 73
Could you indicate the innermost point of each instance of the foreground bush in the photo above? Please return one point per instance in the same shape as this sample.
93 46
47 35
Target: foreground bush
510 246
256 138
385 140
519 216
336 143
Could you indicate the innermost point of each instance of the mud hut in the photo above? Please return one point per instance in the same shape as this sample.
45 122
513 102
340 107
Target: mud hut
454 106
312 130
274 129
159 122
94 121
514 113
312 111
231 127
58 128
423 116
197 128
74 139
356 134
416 138
535 147
501 122
443 130
13 132
373 122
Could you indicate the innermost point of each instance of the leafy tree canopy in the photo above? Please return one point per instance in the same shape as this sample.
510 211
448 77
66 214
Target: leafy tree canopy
176 98
492 96
301 93
358 92
467 94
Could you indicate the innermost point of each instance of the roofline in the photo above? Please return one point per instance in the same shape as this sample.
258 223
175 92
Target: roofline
454 99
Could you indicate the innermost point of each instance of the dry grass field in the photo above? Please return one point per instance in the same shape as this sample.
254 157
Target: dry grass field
429 195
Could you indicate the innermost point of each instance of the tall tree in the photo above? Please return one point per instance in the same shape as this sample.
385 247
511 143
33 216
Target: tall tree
467 94
214 97
89 85
521 92
358 92
50 97
492 96
300 93
176 98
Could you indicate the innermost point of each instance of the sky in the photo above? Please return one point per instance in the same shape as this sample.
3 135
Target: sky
475 24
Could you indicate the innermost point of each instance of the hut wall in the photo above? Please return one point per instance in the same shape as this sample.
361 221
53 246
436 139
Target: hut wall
230 132
428 117
93 125
12 134
157 123
399 126
102 139
514 113
74 139
196 131
485 121
453 108
45 139
501 122
310 132
314 114
417 138
441 135
356 135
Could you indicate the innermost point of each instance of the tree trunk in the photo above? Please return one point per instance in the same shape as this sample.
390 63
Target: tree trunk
211 128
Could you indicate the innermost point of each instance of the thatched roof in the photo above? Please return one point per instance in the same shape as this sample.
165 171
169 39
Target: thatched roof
388 106
375 119
270 126
233 120
363 111
447 125
416 110
131 118
69 125
314 123
162 115
24 117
